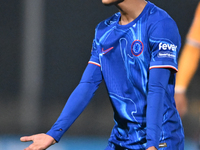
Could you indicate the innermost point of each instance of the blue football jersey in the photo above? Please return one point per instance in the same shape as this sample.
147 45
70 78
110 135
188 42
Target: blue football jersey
125 54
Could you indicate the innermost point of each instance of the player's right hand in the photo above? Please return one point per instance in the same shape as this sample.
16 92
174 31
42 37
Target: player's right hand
181 103
40 141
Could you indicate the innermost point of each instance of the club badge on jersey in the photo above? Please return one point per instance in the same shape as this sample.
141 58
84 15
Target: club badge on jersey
137 47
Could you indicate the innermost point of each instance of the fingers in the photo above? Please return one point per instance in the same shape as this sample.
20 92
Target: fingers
40 141
33 147
26 138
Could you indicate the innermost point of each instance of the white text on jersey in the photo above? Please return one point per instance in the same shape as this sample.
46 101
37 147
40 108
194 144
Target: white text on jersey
164 46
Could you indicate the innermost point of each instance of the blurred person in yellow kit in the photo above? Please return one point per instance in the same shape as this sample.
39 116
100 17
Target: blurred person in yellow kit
188 63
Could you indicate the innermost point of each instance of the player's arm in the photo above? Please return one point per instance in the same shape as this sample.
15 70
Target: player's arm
164 40
76 103
188 63
158 81
189 58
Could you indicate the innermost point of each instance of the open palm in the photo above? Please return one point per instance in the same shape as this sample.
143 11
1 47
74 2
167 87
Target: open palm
40 141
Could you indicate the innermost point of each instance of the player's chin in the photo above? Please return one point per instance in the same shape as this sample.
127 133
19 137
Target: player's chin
111 2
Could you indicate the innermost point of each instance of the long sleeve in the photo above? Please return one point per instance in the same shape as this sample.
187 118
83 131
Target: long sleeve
158 81
77 101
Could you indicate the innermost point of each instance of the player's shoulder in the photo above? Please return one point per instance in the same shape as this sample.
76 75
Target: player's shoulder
109 22
159 18
157 14
113 19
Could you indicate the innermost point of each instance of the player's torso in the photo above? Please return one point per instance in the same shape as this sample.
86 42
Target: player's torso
124 56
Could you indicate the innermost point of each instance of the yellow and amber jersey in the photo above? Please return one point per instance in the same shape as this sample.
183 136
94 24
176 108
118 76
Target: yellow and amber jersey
193 36
190 55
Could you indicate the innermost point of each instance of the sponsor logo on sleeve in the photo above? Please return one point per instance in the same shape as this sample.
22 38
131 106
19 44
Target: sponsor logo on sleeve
166 54
166 46
167 50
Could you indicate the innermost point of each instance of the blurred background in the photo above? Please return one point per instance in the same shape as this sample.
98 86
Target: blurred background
44 48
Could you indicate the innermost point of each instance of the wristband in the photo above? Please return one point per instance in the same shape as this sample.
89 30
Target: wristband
180 89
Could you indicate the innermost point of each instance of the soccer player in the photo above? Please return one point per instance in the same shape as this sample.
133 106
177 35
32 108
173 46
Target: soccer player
188 63
135 51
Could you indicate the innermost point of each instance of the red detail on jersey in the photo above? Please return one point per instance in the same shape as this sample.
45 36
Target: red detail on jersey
94 63
107 50
172 67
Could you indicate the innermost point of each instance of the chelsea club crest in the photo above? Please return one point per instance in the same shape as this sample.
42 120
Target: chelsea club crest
137 47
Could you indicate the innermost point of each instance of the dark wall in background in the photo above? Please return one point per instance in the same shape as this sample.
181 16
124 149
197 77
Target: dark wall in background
10 32
68 34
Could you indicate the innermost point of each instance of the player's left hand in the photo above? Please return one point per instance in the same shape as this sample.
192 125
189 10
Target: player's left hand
40 141
181 103
151 148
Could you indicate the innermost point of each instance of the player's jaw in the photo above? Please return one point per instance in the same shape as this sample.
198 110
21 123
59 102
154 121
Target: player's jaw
111 2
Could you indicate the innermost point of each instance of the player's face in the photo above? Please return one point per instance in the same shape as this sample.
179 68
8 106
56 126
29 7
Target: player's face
110 2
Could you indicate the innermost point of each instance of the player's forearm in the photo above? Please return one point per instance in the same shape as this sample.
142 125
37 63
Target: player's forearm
77 101
188 65
155 108
73 108
155 104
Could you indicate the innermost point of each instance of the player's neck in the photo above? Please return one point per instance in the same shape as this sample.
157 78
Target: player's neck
130 10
